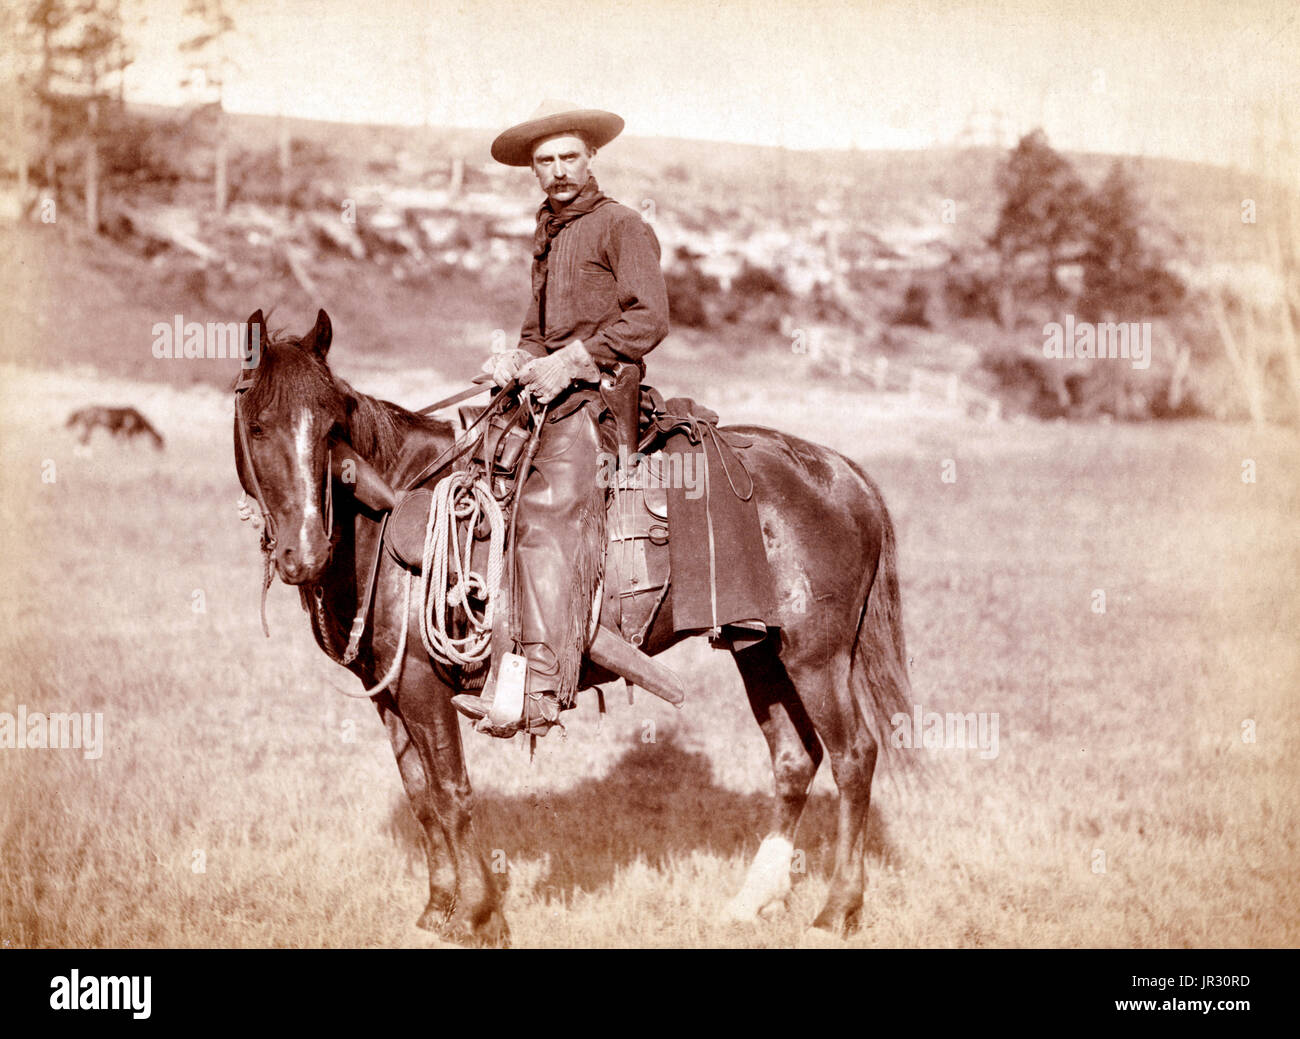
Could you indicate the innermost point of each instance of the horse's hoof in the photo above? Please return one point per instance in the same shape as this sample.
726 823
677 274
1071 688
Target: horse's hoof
492 933
838 922
738 912
433 920
820 938
746 910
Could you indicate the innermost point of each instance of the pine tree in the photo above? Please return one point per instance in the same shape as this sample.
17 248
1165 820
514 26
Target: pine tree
1042 219
1124 274
210 58
73 51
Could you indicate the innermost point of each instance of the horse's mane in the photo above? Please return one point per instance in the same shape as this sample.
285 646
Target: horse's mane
376 429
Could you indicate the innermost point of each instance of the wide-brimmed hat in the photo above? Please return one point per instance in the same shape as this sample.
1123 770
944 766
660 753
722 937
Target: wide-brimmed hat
515 146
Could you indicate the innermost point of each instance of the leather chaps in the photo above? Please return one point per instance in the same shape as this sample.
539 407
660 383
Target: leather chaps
559 552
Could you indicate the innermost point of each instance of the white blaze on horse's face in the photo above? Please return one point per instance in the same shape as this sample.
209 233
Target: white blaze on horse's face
302 443
301 552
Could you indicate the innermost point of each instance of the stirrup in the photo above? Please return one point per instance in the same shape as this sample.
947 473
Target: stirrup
477 709
509 709
502 694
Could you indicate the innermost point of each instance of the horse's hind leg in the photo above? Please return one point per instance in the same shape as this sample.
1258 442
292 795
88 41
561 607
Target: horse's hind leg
796 753
442 865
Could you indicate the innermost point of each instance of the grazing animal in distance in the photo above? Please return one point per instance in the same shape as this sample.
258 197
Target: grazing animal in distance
120 422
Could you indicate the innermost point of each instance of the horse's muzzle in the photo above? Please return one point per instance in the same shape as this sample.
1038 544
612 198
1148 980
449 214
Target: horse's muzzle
295 567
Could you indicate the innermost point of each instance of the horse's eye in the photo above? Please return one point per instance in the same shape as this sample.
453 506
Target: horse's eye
255 429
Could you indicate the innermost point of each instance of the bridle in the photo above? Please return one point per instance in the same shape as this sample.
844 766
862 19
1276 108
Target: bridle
244 383
448 456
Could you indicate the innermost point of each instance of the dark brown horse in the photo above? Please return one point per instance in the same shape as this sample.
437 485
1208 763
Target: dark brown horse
836 679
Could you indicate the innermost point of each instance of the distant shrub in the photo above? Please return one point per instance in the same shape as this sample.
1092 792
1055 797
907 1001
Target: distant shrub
971 293
915 307
1123 272
140 149
753 283
255 174
690 292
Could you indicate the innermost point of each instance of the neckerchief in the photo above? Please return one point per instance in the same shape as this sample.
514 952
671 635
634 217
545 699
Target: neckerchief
551 222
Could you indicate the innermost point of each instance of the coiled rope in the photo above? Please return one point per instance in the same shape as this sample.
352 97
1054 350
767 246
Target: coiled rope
458 497
446 581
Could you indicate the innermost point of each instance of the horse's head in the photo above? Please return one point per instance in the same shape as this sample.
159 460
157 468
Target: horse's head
286 409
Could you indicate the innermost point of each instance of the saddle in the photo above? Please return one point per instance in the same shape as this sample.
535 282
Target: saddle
680 516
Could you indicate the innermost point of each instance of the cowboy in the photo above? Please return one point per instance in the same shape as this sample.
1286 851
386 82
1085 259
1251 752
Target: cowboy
599 305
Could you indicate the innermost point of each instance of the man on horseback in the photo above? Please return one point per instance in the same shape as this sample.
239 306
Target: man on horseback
599 305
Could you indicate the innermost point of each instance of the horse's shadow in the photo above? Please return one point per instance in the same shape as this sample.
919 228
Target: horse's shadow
658 804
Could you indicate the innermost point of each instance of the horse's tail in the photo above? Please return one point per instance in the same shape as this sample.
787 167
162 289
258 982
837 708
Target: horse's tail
878 674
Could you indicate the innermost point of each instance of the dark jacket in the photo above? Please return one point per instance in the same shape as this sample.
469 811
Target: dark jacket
604 286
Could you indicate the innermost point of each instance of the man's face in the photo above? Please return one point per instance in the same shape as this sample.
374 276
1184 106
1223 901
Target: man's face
560 164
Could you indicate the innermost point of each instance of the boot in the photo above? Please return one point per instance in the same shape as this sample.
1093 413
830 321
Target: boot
541 714
540 707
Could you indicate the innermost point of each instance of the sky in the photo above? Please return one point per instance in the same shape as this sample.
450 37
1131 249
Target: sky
1195 79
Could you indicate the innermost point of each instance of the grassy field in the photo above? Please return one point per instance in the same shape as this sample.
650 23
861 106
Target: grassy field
241 801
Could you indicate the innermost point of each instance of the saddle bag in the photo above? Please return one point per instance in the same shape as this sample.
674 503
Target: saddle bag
637 558
500 450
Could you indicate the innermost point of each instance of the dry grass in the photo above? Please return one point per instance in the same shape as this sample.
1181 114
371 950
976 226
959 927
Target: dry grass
1119 732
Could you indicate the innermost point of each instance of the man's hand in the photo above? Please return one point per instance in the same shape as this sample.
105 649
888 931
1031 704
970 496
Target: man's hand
504 367
547 377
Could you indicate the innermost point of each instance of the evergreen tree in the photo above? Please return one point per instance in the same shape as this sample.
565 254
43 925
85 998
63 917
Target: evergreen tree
209 57
1124 274
1042 221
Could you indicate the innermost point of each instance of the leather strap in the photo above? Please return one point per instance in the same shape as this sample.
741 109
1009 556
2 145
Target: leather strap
268 524
456 398
359 621
462 445
443 459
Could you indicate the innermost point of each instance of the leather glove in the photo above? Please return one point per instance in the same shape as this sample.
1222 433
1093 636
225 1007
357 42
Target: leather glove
505 366
547 377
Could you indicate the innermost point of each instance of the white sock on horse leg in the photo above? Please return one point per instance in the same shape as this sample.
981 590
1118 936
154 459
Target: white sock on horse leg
767 881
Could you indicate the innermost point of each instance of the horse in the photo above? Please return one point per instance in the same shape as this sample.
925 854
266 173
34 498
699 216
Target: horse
125 422
830 684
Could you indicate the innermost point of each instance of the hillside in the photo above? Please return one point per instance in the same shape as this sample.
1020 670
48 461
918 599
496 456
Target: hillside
763 247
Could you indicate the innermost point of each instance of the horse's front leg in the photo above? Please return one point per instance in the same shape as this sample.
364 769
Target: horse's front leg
433 724
442 864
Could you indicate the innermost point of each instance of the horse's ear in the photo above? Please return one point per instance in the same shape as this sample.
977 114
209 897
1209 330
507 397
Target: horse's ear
318 339
256 323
